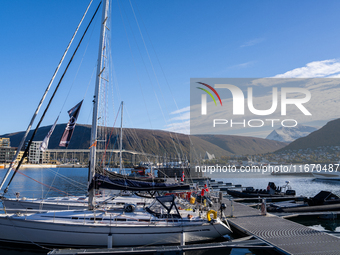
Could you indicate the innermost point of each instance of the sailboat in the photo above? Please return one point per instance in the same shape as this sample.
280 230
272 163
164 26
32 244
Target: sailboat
161 223
104 200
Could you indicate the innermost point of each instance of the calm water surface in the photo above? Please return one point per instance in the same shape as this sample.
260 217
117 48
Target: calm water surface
73 181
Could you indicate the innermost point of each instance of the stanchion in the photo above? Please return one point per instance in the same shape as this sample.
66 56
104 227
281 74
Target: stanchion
109 241
183 238
232 208
263 207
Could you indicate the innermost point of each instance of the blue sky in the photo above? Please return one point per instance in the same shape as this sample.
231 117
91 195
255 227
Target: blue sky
184 39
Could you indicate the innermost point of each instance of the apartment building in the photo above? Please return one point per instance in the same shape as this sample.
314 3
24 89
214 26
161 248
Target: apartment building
5 142
36 156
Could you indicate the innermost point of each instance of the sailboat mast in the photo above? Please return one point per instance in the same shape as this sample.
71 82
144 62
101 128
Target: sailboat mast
11 166
100 69
121 141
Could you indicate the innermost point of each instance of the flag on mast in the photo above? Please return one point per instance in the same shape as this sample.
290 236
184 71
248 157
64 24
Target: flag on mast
73 113
93 145
44 144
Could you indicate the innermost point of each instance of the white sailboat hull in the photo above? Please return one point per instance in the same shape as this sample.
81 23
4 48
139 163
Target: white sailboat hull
24 205
14 205
64 234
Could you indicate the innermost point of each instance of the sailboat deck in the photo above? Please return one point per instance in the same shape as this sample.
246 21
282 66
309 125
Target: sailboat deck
109 218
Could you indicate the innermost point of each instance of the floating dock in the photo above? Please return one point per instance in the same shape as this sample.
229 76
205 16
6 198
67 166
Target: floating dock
332 215
286 236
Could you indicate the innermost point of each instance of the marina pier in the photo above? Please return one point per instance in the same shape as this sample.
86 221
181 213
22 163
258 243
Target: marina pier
286 236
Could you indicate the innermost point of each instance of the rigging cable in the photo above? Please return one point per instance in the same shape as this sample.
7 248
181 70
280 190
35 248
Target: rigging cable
139 82
181 154
157 81
166 81
148 75
42 100
63 160
49 103
55 189
134 61
109 138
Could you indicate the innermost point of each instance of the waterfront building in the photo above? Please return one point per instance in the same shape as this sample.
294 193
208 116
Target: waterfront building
5 142
6 151
36 156
7 154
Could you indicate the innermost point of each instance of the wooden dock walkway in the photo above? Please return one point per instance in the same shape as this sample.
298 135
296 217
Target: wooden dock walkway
288 237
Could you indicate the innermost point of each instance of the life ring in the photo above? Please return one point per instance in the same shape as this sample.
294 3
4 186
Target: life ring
211 212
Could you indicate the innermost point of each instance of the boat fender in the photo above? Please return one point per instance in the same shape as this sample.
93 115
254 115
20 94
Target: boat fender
211 212
192 200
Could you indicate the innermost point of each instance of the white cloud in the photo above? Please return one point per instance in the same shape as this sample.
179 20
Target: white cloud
185 109
243 65
252 42
179 127
181 114
316 69
180 123
183 117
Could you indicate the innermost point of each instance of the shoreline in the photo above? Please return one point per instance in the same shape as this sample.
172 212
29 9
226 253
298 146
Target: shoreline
6 166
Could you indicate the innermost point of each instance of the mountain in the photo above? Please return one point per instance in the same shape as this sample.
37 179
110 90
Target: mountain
290 134
242 145
328 135
157 142
148 141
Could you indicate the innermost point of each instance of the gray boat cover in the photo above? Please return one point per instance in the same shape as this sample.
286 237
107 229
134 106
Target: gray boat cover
104 182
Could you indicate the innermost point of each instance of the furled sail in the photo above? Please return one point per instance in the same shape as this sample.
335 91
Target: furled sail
122 182
113 175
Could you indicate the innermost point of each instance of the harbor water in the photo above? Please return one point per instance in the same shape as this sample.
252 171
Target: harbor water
48 182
